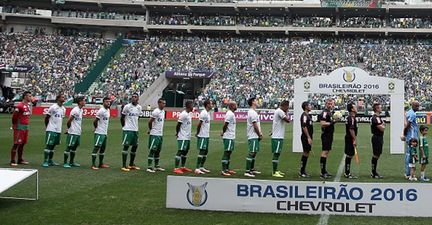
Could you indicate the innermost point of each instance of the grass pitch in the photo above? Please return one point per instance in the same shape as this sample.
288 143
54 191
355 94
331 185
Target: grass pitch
109 196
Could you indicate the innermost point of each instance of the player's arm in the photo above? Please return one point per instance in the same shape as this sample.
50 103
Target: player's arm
305 128
95 122
69 122
224 128
422 148
381 127
286 119
15 116
407 128
351 130
123 115
256 129
323 121
199 127
47 117
178 128
150 123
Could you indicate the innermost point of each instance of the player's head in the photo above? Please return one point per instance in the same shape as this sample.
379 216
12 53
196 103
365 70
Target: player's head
60 99
161 103
330 103
284 105
208 104
106 102
189 106
27 96
232 106
415 105
306 106
377 107
351 108
252 102
413 142
135 98
424 129
80 101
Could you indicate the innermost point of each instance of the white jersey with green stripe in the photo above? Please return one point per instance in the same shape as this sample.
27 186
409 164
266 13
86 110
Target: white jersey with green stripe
102 125
278 129
132 114
204 117
230 132
158 122
186 126
75 127
56 114
252 117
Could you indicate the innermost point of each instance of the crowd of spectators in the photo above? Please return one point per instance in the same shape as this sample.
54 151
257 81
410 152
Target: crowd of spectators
411 23
59 62
99 15
266 68
243 67
19 10
363 22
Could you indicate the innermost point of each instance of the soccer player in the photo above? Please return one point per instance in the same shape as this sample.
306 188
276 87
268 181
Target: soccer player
278 134
183 134
306 137
155 125
53 124
203 135
100 124
413 158
350 139
228 136
73 133
424 151
377 129
254 135
20 125
129 121
410 132
327 127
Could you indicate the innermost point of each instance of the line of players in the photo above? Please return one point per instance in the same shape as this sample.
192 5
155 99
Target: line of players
129 121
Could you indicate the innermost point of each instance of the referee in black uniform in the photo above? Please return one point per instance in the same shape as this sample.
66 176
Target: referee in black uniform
350 139
306 137
327 127
377 129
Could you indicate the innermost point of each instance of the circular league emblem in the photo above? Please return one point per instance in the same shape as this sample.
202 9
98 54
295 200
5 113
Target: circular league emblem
197 194
306 85
349 76
391 86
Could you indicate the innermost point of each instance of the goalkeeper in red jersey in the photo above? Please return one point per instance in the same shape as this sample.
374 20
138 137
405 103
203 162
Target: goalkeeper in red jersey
20 125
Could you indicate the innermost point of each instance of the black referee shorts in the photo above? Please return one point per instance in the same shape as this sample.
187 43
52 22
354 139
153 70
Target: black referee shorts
377 144
306 146
349 146
326 141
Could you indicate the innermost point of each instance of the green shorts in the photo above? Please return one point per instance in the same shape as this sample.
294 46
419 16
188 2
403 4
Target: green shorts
228 145
202 143
100 140
276 145
254 145
130 138
52 138
183 145
73 140
155 142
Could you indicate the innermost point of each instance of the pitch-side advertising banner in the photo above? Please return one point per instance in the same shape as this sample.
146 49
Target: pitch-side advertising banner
87 112
335 198
242 116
